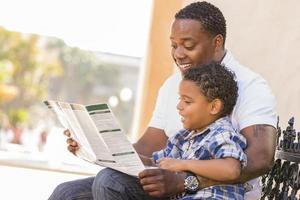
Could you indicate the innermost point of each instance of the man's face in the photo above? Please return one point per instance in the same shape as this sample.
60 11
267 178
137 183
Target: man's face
194 108
190 44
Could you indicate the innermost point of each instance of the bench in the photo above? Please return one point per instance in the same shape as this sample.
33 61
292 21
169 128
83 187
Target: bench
283 180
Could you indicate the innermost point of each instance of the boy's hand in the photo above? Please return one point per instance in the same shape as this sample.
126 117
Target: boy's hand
72 144
171 164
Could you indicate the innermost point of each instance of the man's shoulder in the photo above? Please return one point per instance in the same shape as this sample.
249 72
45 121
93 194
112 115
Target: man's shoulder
172 82
174 78
245 77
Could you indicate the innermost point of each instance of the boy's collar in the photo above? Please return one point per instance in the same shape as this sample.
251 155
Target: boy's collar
208 129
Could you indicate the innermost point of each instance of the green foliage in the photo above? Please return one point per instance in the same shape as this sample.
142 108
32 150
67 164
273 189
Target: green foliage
31 63
17 116
6 71
84 73
25 65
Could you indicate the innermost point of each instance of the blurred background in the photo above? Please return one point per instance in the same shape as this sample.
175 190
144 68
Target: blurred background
117 52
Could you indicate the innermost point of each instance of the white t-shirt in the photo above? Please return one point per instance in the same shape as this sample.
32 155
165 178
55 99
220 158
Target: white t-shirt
255 105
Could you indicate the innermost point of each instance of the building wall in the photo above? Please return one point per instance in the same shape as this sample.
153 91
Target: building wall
262 35
158 64
265 36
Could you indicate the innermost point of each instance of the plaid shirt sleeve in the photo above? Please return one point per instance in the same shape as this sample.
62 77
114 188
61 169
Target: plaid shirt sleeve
162 153
229 144
172 149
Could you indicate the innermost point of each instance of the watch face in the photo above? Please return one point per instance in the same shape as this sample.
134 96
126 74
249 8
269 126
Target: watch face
191 183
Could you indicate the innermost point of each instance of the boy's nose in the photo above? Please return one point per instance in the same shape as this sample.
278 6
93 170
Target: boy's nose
179 107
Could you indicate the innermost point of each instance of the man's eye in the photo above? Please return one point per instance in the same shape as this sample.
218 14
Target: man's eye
187 102
189 47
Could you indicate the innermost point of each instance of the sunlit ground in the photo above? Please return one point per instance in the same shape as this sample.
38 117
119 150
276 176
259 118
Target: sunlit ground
33 175
21 183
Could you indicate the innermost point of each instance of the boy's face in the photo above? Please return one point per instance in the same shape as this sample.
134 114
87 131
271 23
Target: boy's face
194 108
190 44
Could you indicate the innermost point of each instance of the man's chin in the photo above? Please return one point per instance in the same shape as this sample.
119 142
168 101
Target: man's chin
183 71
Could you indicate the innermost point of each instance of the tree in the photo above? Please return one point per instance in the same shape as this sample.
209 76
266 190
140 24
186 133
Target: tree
31 71
84 74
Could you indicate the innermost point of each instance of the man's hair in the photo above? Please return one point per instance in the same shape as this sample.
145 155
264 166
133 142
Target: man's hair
210 17
215 81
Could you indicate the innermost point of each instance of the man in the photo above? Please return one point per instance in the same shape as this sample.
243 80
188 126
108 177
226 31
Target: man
197 36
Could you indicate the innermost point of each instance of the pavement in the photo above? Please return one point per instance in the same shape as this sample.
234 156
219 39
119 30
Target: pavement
27 175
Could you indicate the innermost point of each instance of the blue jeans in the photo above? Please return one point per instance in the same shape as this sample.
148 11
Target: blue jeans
107 185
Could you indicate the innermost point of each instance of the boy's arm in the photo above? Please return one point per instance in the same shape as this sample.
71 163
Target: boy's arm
224 169
261 143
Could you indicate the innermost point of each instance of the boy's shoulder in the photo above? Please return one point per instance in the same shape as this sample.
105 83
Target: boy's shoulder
222 125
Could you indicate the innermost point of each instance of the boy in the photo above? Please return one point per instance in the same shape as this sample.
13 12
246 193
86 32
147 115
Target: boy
208 145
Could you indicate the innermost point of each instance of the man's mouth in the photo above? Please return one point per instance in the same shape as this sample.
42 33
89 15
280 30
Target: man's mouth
184 66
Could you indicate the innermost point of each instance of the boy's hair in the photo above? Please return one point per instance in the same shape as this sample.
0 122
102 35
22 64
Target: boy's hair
210 17
215 82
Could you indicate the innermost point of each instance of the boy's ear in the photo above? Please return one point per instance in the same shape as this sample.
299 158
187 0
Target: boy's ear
216 107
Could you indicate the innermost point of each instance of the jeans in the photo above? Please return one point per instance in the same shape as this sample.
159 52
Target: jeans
107 185
80 189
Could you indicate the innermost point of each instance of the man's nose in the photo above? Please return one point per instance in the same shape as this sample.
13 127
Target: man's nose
179 53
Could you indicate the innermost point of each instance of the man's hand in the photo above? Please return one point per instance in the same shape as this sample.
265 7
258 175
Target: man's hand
72 144
161 182
171 164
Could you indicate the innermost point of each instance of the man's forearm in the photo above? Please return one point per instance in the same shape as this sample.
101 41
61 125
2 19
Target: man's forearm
147 160
152 140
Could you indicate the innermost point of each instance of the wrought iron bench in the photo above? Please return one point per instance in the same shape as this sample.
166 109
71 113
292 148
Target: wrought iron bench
283 180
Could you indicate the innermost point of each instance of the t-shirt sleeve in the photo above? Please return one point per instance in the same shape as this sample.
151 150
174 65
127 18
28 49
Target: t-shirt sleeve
229 144
158 119
256 105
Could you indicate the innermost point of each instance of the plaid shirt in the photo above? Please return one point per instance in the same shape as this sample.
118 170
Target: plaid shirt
218 140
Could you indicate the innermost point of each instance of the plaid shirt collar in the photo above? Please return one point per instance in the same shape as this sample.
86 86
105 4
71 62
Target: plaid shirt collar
189 135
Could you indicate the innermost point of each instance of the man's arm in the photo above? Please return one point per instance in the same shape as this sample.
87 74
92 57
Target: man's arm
154 139
261 144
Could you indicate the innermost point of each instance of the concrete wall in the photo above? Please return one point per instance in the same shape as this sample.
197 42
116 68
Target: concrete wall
263 35
158 64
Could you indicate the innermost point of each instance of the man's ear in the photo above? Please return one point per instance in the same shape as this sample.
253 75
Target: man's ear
218 42
216 107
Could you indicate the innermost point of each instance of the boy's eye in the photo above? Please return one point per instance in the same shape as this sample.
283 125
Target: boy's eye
187 102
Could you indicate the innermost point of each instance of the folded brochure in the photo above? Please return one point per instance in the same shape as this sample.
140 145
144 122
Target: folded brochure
100 137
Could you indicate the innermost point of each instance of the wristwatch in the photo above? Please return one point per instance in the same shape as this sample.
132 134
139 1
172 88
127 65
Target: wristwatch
191 183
